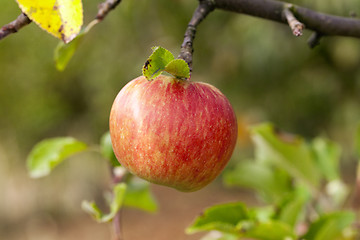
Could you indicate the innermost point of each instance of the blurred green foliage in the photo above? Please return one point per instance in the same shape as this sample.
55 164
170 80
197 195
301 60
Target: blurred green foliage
292 178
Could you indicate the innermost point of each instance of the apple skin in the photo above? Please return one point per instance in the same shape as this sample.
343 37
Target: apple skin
172 132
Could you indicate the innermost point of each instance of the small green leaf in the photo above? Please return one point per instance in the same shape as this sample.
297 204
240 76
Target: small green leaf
263 214
118 199
47 154
138 195
272 230
178 68
107 149
157 62
291 209
327 156
286 151
64 52
330 226
270 183
224 218
92 209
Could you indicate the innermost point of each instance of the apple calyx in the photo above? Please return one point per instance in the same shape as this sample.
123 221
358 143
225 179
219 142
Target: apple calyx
163 60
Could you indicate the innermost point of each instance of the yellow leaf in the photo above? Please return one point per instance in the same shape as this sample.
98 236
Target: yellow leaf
61 18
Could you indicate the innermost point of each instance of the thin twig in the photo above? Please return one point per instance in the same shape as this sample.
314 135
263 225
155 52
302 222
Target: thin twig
117 226
21 21
118 175
105 7
296 26
314 39
186 51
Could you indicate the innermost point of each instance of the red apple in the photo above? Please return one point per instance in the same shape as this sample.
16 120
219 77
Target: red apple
173 132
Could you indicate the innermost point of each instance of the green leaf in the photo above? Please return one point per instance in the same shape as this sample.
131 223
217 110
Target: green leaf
64 52
330 226
272 230
271 184
178 68
287 152
107 149
327 156
92 209
157 62
292 207
138 195
224 218
47 154
263 214
118 199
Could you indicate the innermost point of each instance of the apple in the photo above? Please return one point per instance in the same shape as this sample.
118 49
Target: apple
173 132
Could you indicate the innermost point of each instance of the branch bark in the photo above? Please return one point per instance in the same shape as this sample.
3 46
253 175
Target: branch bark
297 17
186 51
21 21
105 7
272 10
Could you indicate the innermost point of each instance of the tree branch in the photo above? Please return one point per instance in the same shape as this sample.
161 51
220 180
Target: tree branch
297 17
186 51
21 21
270 9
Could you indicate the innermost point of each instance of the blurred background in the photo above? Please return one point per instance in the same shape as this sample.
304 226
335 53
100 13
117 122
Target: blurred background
266 72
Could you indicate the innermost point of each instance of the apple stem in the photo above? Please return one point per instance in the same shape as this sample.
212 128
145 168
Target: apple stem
186 51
